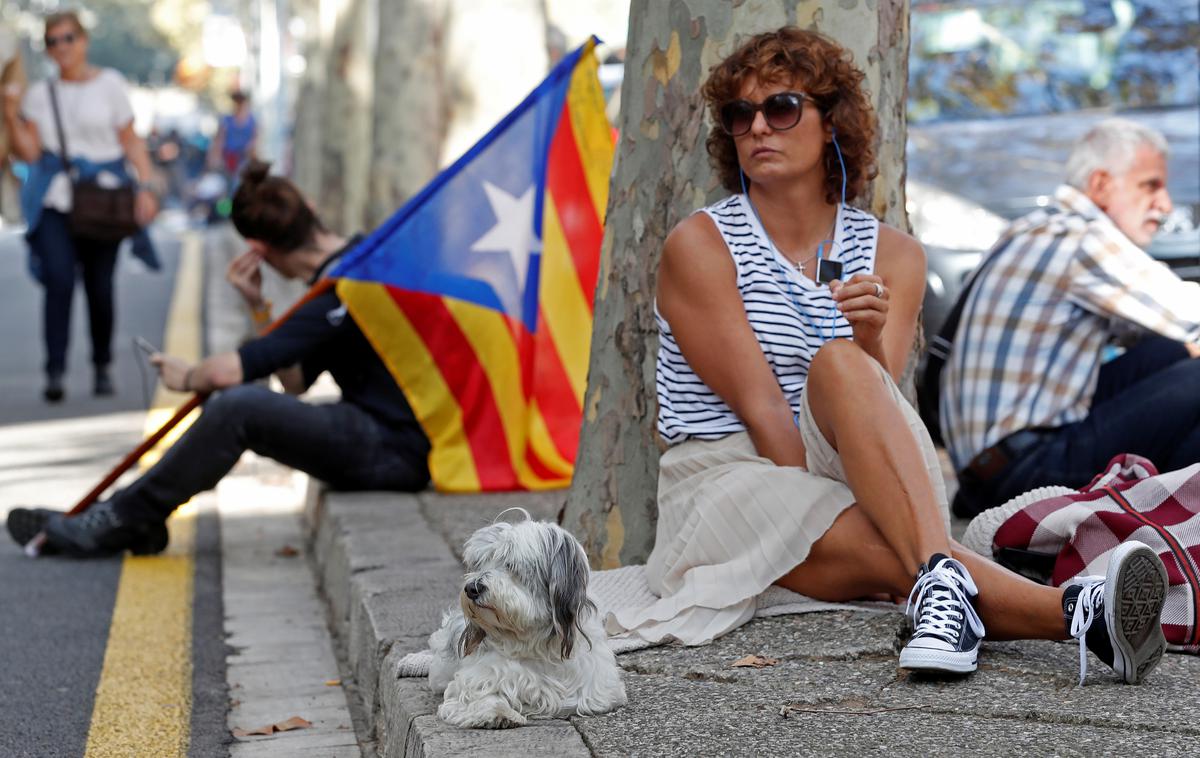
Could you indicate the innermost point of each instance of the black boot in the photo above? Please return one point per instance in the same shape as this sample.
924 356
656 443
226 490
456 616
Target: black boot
99 531
103 386
54 393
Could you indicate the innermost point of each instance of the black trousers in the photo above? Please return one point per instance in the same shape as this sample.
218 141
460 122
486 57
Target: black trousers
338 443
65 258
1147 402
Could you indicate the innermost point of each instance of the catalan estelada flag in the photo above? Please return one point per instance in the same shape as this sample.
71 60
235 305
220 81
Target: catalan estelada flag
478 292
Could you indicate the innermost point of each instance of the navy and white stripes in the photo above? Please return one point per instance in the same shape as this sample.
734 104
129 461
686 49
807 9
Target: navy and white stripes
791 316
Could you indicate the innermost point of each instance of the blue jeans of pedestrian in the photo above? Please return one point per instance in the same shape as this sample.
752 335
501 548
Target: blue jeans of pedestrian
1147 402
65 258
339 443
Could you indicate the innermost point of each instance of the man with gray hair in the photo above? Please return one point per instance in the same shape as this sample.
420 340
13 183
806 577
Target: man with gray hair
1074 344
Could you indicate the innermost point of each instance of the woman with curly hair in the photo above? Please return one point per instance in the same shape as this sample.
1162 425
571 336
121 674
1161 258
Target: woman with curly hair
785 319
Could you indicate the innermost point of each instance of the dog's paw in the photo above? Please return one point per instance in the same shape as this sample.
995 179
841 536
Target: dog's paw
494 713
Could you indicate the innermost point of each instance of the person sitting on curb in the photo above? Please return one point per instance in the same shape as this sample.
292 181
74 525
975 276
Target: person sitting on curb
1028 399
369 440
793 457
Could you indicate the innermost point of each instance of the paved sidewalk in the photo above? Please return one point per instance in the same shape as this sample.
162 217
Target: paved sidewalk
389 564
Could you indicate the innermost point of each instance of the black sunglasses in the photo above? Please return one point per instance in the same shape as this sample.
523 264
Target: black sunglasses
781 111
52 42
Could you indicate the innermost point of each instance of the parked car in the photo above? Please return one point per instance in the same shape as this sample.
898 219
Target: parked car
1000 93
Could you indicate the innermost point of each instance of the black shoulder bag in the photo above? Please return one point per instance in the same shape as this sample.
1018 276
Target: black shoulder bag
929 391
99 213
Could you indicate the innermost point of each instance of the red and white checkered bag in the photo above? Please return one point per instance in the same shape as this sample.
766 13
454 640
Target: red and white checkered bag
1054 534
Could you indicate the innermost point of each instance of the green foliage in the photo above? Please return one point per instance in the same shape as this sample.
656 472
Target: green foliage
124 38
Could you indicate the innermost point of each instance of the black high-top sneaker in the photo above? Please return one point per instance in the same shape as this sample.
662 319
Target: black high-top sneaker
947 630
98 531
25 523
102 385
1117 616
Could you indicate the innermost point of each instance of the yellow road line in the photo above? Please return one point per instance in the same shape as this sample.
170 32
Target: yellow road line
143 702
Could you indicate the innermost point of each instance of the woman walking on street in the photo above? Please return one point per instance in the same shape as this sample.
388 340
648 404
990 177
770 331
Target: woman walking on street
96 120
786 317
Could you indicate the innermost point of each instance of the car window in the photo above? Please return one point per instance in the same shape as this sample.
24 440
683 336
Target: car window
978 58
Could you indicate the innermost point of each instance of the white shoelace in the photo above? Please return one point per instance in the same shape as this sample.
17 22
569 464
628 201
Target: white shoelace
943 601
1089 603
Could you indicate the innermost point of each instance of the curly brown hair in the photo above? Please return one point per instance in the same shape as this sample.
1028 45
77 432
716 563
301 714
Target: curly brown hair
825 71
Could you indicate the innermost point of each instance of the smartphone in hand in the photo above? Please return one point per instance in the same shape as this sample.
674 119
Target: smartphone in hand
145 346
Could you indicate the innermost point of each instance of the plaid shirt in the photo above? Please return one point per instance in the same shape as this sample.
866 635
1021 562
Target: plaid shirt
1061 284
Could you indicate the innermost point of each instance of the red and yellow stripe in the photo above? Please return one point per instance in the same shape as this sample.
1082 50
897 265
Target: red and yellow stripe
503 407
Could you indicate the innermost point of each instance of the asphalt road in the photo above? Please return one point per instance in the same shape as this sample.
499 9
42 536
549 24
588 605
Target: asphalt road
142 300
55 613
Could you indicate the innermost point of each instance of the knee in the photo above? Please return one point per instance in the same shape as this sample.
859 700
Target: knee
837 363
234 402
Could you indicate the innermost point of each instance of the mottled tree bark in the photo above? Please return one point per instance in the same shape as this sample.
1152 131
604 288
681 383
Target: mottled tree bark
306 129
346 111
409 102
661 175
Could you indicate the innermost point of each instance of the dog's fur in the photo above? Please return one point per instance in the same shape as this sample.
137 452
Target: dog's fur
526 642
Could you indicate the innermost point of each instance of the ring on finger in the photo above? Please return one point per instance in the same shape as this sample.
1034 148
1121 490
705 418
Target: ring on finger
878 289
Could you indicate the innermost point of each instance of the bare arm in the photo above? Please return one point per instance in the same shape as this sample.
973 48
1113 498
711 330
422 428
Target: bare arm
900 261
698 296
26 142
136 153
213 373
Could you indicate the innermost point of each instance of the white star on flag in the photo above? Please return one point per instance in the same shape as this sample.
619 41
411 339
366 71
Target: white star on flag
513 232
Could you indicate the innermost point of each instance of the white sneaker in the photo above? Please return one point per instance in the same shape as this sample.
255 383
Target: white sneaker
1117 616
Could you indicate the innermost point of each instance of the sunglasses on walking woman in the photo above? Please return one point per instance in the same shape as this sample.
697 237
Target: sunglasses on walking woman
782 111
53 42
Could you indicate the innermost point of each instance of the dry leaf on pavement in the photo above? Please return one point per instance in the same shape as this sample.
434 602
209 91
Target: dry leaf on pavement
754 661
295 722
287 551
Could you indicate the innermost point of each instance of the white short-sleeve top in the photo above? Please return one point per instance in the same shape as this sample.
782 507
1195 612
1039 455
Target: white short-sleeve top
92 111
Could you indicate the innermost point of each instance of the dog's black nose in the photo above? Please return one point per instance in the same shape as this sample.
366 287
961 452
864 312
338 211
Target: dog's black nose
474 589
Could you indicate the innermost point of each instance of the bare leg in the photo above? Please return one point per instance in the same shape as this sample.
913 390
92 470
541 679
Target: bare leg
884 466
853 560
1011 606
877 545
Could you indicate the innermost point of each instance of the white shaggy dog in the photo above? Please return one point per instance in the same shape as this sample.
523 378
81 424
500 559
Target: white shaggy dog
526 642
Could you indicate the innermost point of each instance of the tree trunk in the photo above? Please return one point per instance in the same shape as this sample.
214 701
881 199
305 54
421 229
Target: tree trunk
661 175
409 102
495 56
346 111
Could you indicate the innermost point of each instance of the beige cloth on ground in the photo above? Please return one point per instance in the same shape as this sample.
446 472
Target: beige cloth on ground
730 523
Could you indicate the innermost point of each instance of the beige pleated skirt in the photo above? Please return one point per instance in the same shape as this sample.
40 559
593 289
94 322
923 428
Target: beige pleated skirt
731 523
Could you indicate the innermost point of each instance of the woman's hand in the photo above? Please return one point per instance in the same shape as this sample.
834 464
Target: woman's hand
174 371
145 207
245 274
864 302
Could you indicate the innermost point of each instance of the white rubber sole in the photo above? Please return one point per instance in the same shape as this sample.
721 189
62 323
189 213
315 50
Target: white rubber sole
932 661
1134 591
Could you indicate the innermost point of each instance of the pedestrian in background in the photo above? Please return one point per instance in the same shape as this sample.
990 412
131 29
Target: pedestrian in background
237 137
97 122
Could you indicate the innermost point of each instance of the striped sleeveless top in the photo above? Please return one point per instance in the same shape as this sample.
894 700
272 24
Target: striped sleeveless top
790 314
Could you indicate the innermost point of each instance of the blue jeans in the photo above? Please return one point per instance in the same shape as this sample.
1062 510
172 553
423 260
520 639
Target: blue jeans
64 258
338 443
1147 402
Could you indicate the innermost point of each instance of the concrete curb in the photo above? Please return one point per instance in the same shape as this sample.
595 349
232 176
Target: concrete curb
388 576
